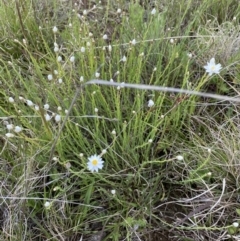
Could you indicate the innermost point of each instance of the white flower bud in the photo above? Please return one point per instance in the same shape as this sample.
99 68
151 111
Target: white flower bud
59 58
235 224
72 59
179 158
153 12
11 100
47 117
10 126
9 135
113 192
57 118
29 103
47 204
150 103
46 106
83 49
17 129
55 29
50 77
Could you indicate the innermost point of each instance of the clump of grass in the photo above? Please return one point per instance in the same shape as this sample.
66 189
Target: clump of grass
165 154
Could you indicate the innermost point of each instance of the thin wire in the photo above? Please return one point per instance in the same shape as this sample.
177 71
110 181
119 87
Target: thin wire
164 89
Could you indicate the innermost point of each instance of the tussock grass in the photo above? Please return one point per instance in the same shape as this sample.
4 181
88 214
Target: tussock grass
170 170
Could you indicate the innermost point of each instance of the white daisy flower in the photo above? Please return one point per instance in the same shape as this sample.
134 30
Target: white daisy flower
212 67
95 162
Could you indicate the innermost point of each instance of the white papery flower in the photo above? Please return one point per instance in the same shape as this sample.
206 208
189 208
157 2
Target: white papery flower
212 67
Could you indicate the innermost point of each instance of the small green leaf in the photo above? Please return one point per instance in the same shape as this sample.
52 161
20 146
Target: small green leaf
238 211
231 230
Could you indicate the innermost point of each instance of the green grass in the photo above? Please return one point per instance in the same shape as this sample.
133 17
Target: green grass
140 145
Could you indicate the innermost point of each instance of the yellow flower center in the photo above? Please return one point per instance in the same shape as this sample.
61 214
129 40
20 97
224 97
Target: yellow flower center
95 162
213 67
